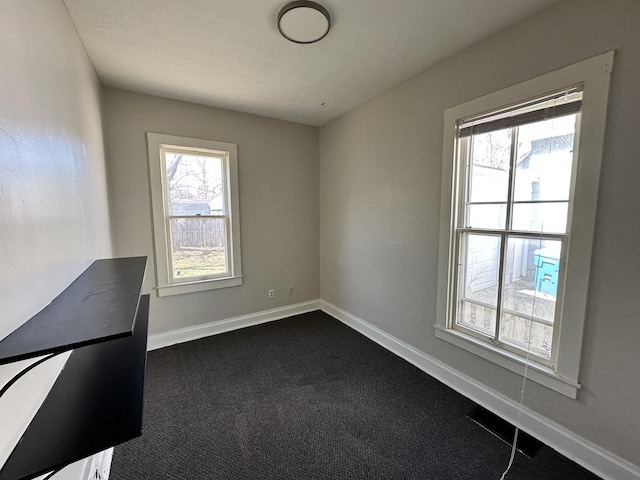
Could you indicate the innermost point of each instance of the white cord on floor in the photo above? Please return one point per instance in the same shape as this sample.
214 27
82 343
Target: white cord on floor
515 436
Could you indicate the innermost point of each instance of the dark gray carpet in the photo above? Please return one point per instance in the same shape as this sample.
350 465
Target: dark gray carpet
309 398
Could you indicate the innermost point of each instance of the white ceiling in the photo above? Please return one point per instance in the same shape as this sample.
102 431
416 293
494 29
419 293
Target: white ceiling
229 53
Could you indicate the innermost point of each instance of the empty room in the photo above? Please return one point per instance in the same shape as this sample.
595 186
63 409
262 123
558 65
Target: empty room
263 239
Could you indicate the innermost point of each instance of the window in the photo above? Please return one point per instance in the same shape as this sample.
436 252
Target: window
520 179
194 193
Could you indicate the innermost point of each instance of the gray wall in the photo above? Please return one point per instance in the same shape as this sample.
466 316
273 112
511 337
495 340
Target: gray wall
278 177
380 168
54 218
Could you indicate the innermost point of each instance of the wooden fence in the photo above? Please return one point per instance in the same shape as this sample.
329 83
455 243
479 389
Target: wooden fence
198 233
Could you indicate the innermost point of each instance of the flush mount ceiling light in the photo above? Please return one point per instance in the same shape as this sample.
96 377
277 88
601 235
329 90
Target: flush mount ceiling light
304 22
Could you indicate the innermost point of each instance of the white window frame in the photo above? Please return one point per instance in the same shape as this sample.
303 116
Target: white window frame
594 75
165 286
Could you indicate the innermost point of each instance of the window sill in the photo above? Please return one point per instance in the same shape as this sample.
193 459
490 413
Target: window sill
535 372
200 286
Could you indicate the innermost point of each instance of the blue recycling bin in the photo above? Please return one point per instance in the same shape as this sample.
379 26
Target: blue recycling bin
547 262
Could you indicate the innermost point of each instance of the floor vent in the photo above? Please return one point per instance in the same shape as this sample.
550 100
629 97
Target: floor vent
527 445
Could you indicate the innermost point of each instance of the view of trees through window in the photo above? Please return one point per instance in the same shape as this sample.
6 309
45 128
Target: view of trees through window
197 213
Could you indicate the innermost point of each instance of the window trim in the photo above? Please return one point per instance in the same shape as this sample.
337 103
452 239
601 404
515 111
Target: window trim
594 75
161 234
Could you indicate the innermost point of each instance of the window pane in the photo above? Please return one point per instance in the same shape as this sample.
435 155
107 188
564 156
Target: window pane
545 158
526 335
477 317
195 184
487 216
478 305
198 247
489 176
481 260
529 293
540 217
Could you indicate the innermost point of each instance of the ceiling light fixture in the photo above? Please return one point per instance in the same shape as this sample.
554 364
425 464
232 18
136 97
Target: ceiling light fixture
304 22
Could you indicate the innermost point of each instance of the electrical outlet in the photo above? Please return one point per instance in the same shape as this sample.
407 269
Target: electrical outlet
292 290
272 293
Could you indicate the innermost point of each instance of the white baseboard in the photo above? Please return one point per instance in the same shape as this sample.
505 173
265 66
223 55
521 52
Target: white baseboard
601 462
166 339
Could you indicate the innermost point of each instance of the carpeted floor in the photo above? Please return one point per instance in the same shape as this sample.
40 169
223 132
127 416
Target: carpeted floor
309 398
